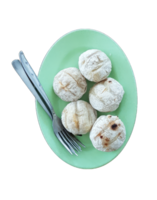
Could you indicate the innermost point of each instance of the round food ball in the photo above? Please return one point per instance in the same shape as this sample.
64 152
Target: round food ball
69 84
106 95
108 133
95 65
78 117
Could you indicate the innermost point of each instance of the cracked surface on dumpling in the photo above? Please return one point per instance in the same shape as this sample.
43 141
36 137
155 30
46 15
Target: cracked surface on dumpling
106 95
95 65
108 133
78 117
69 84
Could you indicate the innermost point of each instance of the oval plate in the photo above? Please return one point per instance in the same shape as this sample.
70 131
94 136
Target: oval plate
65 53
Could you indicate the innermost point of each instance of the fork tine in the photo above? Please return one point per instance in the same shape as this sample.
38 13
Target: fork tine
74 138
70 141
76 147
67 143
60 139
78 141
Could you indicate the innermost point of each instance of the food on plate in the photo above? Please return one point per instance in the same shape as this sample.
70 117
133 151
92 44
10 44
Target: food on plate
108 133
78 117
95 65
69 84
106 95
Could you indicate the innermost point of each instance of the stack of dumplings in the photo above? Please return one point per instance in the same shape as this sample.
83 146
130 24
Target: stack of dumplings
107 133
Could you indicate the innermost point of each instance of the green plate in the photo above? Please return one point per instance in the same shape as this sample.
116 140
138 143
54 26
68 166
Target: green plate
65 53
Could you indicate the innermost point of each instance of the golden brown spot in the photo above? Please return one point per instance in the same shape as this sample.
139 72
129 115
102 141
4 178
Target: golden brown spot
104 80
83 62
63 87
105 145
99 134
78 82
96 76
65 111
104 90
78 114
98 58
107 139
105 142
119 134
88 114
114 126
75 121
109 116
65 117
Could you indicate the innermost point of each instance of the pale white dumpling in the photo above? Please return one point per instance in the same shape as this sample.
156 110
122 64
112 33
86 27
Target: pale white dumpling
95 65
106 95
108 133
78 117
69 84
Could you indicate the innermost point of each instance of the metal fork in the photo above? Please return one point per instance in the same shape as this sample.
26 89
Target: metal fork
24 70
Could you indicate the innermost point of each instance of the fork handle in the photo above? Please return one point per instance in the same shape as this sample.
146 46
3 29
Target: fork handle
31 73
20 71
